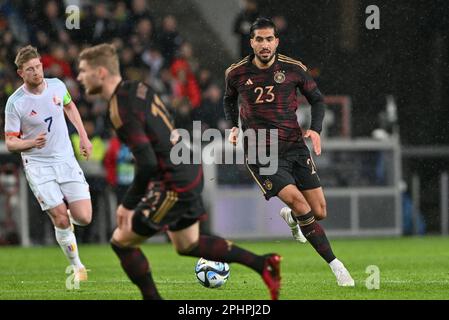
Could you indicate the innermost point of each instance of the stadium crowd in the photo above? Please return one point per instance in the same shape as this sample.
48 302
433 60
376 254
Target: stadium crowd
151 50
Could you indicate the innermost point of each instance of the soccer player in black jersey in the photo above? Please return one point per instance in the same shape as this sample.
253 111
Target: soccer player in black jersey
162 195
267 84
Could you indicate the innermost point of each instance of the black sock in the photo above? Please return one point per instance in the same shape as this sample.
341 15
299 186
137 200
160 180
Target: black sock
218 249
316 236
137 268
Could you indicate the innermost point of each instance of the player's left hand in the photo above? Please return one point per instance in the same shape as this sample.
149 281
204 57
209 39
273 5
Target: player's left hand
316 140
124 218
85 147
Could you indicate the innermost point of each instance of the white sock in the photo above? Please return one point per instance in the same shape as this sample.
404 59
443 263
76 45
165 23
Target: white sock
67 242
335 264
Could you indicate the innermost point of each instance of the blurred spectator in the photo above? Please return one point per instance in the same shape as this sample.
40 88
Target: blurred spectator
120 18
139 10
169 39
286 42
186 84
144 31
211 113
204 79
51 20
98 145
186 52
71 57
13 19
102 28
242 25
183 114
130 64
119 166
55 64
42 42
166 86
152 57
8 46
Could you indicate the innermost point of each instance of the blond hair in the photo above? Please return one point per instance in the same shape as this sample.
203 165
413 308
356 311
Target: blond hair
25 54
103 55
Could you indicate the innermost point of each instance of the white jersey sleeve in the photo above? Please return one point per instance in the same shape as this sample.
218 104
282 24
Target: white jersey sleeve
12 120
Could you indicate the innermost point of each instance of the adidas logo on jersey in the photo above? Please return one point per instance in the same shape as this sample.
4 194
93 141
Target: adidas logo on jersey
33 113
248 82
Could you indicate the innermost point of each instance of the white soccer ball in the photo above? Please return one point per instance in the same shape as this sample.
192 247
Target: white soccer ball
212 274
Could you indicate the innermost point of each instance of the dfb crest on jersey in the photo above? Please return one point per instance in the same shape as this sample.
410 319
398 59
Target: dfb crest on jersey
279 77
268 185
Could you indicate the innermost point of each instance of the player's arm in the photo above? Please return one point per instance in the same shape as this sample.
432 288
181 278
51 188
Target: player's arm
74 116
231 108
145 170
12 133
15 144
131 130
309 89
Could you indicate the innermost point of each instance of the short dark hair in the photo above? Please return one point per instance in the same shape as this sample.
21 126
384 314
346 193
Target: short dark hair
263 23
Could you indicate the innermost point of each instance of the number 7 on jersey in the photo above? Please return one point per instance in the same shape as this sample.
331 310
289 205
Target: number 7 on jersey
50 121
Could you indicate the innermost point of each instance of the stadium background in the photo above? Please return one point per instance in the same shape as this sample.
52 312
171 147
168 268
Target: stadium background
184 58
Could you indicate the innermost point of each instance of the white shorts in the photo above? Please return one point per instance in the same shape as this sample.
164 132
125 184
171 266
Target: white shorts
54 182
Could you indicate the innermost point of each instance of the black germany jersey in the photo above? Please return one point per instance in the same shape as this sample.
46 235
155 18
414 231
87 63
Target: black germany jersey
144 124
269 100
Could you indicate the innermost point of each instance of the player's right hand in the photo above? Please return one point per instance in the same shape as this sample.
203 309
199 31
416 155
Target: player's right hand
233 137
40 140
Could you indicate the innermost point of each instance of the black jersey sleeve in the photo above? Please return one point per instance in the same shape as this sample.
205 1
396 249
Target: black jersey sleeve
309 89
230 102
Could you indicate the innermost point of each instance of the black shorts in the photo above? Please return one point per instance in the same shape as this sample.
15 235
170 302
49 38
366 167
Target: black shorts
163 209
294 167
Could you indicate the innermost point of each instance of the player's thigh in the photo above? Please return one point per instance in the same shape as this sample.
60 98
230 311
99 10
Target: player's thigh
184 230
127 238
73 183
315 198
271 185
305 173
81 211
183 240
42 182
294 199
75 190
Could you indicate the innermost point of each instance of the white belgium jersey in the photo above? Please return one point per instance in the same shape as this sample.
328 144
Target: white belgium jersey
27 115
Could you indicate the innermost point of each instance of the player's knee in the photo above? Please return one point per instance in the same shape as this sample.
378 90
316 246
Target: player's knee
84 220
300 207
185 249
320 212
61 221
119 240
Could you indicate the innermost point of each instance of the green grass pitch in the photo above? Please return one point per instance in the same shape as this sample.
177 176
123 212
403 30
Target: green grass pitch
410 268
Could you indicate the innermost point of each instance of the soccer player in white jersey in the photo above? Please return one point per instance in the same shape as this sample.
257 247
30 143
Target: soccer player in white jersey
36 127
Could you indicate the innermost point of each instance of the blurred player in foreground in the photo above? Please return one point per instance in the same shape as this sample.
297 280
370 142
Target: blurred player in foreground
162 195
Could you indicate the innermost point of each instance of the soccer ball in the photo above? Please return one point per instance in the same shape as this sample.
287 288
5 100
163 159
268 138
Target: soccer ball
212 274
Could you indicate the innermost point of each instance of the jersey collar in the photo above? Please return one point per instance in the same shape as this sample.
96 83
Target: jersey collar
254 67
